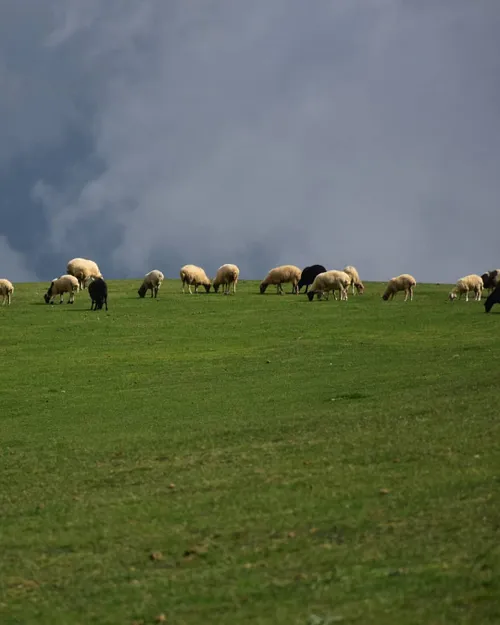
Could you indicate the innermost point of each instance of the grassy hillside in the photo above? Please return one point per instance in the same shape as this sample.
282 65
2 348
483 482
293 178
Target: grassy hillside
252 459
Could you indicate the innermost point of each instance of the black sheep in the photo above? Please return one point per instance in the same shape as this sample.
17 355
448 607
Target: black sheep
490 279
493 298
308 275
98 291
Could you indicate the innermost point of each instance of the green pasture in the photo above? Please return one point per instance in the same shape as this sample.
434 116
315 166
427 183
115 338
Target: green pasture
249 459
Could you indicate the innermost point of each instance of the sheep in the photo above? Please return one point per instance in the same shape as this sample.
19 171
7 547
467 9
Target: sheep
98 291
332 280
493 298
404 282
152 280
59 286
191 274
472 282
6 290
308 274
355 279
227 275
491 279
83 269
280 275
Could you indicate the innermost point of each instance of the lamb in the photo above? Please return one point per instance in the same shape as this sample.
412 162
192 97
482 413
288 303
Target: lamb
493 298
59 286
355 279
152 280
308 275
98 291
405 282
332 280
491 279
280 275
83 269
191 274
227 275
6 290
472 282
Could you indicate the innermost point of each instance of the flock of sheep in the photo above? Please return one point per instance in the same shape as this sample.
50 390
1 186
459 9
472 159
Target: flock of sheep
82 272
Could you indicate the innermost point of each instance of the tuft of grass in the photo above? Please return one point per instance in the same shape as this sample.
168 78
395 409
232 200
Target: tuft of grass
249 459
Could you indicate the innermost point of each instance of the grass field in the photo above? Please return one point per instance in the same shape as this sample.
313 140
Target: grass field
252 459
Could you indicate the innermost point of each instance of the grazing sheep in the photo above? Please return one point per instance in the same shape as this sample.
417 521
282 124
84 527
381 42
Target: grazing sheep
6 290
332 280
355 279
280 275
98 291
60 286
308 275
152 280
472 282
191 274
83 269
493 298
227 275
491 279
404 282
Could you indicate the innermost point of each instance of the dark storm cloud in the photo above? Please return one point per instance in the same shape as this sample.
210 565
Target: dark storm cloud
158 133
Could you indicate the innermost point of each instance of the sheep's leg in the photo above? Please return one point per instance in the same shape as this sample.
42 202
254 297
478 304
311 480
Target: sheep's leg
467 295
189 289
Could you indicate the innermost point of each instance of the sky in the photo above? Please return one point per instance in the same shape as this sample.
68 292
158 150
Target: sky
148 135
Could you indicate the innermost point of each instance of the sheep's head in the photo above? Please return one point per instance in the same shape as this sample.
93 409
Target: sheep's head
142 290
360 288
207 286
385 296
215 286
262 287
452 295
310 295
46 297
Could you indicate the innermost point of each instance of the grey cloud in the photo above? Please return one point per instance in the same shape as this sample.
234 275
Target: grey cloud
260 133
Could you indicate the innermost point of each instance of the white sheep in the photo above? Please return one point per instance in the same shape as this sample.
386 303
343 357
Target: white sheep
280 275
6 290
60 286
472 282
327 281
355 279
191 274
227 275
83 270
152 280
405 282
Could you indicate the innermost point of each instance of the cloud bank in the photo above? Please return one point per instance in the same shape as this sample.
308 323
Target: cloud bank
154 134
